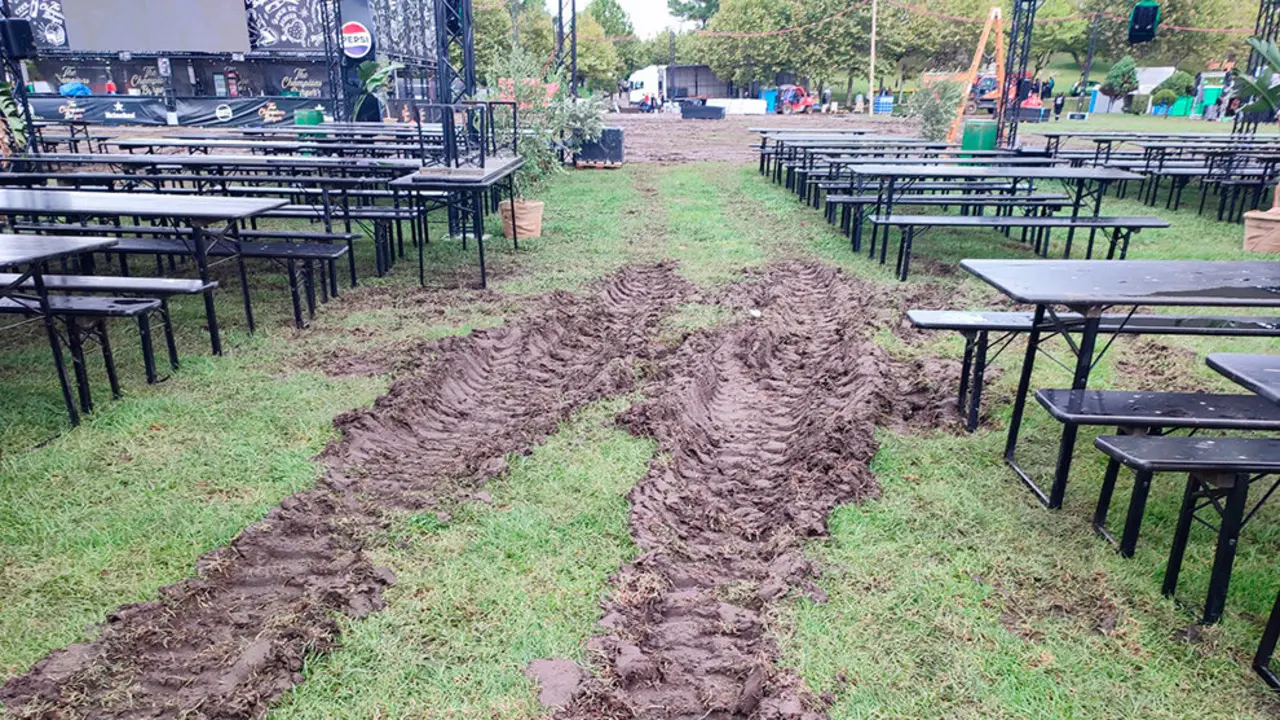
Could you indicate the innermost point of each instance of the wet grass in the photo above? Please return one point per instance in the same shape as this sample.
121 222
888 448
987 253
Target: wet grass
490 587
951 595
955 594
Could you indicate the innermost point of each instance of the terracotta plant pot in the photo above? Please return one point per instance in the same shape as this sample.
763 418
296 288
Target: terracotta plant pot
528 218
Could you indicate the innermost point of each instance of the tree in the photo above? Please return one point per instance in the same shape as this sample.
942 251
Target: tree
495 36
700 11
1181 84
617 27
598 62
1053 35
1122 79
743 60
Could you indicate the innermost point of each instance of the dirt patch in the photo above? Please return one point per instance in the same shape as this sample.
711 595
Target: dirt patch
666 138
763 428
225 643
1027 608
1149 365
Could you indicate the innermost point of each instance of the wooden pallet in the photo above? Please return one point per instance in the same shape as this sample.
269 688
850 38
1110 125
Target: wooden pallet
597 165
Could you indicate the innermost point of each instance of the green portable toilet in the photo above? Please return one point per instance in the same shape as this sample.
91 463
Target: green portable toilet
979 135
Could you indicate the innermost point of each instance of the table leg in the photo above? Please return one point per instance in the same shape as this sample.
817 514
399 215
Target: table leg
1267 647
202 265
515 230
37 277
477 225
1084 365
1024 384
1075 214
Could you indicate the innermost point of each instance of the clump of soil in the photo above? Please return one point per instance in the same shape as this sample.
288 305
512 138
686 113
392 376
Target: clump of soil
225 643
763 428
1148 365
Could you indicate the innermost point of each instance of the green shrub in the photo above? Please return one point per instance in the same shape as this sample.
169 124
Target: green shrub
1164 97
1138 104
1180 83
935 107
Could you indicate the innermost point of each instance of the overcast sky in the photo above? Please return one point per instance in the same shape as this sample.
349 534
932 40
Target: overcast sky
649 17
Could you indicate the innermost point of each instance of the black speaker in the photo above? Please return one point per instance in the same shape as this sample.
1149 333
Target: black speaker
18 38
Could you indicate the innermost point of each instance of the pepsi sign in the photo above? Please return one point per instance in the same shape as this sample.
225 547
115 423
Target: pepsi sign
357 41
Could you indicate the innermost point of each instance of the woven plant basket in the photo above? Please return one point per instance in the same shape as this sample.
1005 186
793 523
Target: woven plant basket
528 218
1262 229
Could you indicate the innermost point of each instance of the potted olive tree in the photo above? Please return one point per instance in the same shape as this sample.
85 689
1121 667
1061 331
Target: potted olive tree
1262 229
552 125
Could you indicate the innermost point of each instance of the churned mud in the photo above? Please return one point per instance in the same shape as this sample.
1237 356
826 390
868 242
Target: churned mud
763 428
226 642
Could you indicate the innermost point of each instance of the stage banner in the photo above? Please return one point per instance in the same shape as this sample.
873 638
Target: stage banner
107 110
48 23
244 112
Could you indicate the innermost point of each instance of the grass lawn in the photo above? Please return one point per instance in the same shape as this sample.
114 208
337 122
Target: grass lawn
953 594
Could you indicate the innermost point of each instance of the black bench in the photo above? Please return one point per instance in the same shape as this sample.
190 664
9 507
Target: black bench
853 207
976 327
97 309
844 186
287 239
160 288
1122 229
290 254
1152 414
1220 472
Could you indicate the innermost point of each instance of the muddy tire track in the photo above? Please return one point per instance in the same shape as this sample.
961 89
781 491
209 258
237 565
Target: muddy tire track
764 427
225 643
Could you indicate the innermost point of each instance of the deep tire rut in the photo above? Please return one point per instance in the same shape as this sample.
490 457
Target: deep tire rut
763 428
228 641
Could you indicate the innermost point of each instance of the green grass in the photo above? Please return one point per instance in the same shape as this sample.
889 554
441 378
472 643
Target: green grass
951 595
494 587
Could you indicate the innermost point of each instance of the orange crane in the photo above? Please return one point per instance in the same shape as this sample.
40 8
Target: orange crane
995 21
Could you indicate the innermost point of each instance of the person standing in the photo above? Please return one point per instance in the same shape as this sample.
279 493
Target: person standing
1058 103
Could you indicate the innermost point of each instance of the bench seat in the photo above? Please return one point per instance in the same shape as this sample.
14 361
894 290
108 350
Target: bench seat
70 308
976 328
1122 408
1220 473
1122 229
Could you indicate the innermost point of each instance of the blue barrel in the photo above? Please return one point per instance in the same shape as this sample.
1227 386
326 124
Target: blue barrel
770 97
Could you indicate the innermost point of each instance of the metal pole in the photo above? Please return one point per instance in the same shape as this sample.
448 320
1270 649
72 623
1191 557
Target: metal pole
1088 61
573 45
871 87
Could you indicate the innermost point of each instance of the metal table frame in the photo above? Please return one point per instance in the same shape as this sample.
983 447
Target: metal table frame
1088 310
35 270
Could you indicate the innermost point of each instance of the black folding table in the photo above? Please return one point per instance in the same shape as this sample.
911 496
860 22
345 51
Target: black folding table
475 184
198 213
1089 289
32 254
1260 374
1082 183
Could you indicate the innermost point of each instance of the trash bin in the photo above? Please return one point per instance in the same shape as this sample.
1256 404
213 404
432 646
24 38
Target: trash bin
883 105
309 116
979 135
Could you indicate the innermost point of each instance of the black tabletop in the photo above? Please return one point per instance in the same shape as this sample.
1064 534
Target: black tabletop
61 202
251 144
223 160
26 249
926 170
1259 373
1187 283
442 178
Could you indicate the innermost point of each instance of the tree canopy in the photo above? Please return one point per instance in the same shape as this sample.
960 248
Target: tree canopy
697 10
